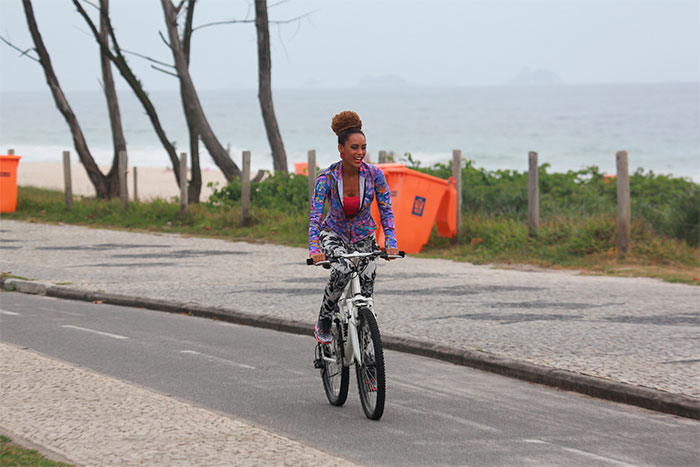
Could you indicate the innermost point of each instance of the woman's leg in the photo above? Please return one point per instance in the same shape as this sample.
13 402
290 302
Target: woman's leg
369 268
332 245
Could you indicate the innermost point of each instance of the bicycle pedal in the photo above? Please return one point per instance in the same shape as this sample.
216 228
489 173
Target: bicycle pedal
318 363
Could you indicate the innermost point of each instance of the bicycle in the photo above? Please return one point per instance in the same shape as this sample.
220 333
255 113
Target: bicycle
356 340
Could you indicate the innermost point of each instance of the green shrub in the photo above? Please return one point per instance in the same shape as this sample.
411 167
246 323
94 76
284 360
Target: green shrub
280 192
670 206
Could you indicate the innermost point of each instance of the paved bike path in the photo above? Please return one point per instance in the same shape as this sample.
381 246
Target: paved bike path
637 331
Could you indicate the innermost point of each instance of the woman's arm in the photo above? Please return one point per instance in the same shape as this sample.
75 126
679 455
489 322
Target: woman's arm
383 194
315 213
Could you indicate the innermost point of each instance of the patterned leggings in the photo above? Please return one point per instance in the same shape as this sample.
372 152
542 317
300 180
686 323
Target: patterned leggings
333 245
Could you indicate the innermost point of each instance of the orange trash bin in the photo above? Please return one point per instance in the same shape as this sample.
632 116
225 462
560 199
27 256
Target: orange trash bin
8 183
419 201
301 168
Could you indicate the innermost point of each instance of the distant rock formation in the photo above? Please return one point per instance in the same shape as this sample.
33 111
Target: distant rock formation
535 77
383 81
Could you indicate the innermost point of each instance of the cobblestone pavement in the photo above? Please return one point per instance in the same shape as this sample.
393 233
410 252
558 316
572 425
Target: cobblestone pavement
91 419
633 330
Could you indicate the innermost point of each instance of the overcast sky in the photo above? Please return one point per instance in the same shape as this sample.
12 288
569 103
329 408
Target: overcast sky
422 42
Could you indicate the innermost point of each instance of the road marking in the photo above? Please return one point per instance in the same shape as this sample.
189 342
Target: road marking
454 418
590 455
101 333
11 313
218 359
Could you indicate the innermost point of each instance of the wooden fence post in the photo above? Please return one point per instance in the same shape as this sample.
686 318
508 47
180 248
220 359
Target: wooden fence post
312 174
123 188
245 187
533 195
136 185
457 175
183 184
624 212
67 183
382 157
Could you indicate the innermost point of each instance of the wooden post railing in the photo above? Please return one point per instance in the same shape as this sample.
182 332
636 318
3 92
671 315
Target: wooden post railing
245 187
67 182
312 174
123 188
624 212
183 184
457 175
533 195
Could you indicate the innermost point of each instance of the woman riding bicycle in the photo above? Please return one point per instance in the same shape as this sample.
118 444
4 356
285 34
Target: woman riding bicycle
349 185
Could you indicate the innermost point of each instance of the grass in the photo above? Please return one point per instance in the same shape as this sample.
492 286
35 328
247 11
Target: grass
13 454
585 243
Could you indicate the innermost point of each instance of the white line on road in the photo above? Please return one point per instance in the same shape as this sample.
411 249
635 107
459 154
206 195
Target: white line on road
11 313
590 455
101 333
218 359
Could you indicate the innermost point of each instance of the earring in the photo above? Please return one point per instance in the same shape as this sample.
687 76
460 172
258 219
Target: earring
342 155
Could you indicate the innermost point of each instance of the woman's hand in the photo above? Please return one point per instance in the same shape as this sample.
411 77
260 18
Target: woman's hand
318 257
392 251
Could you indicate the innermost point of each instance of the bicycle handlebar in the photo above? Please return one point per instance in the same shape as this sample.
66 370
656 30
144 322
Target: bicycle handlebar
381 254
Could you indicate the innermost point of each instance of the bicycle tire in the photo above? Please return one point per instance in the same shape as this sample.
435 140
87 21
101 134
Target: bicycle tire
371 381
335 376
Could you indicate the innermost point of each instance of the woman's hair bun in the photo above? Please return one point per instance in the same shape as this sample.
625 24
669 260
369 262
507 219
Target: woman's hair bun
344 121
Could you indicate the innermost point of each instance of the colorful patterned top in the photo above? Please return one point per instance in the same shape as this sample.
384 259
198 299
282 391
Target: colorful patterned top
329 186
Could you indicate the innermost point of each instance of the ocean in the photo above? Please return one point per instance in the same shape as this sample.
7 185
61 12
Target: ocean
570 126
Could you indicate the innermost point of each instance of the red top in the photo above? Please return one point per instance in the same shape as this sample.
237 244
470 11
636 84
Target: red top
351 204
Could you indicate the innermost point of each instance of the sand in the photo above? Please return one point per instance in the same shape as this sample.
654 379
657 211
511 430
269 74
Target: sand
152 182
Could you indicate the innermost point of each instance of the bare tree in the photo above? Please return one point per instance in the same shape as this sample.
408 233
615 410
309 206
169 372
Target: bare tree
190 97
115 119
117 57
96 177
195 185
279 156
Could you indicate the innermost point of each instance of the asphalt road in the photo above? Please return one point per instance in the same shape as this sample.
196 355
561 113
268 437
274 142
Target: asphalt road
436 414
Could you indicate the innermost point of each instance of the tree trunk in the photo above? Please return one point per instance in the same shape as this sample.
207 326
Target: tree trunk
93 172
120 62
195 186
115 119
191 100
279 156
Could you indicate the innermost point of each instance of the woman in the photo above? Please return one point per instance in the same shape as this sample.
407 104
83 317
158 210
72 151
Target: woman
349 185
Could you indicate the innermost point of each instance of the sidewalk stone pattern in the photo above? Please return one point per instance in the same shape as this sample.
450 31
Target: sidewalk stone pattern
633 330
95 420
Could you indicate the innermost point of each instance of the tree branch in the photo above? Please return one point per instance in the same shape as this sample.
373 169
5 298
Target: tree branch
217 23
95 6
22 53
164 40
165 71
238 21
148 58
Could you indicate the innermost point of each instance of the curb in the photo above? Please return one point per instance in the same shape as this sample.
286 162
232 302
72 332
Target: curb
653 399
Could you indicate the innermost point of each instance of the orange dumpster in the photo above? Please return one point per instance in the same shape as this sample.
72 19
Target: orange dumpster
419 201
8 183
301 168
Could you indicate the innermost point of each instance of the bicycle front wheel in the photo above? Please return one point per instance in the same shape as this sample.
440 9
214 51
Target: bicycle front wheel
335 376
370 373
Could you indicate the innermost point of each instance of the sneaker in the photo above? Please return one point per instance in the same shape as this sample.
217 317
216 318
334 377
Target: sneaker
323 332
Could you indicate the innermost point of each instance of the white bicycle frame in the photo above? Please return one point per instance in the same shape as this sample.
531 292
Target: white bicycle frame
350 301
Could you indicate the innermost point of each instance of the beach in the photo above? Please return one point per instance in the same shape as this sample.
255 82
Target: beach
152 182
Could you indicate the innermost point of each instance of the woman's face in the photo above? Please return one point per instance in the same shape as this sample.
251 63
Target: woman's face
354 150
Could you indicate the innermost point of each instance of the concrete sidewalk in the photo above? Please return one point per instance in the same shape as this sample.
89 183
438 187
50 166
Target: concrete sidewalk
636 331
85 418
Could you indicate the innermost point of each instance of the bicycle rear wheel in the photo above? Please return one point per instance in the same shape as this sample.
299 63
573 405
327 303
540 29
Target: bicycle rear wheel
335 376
370 373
